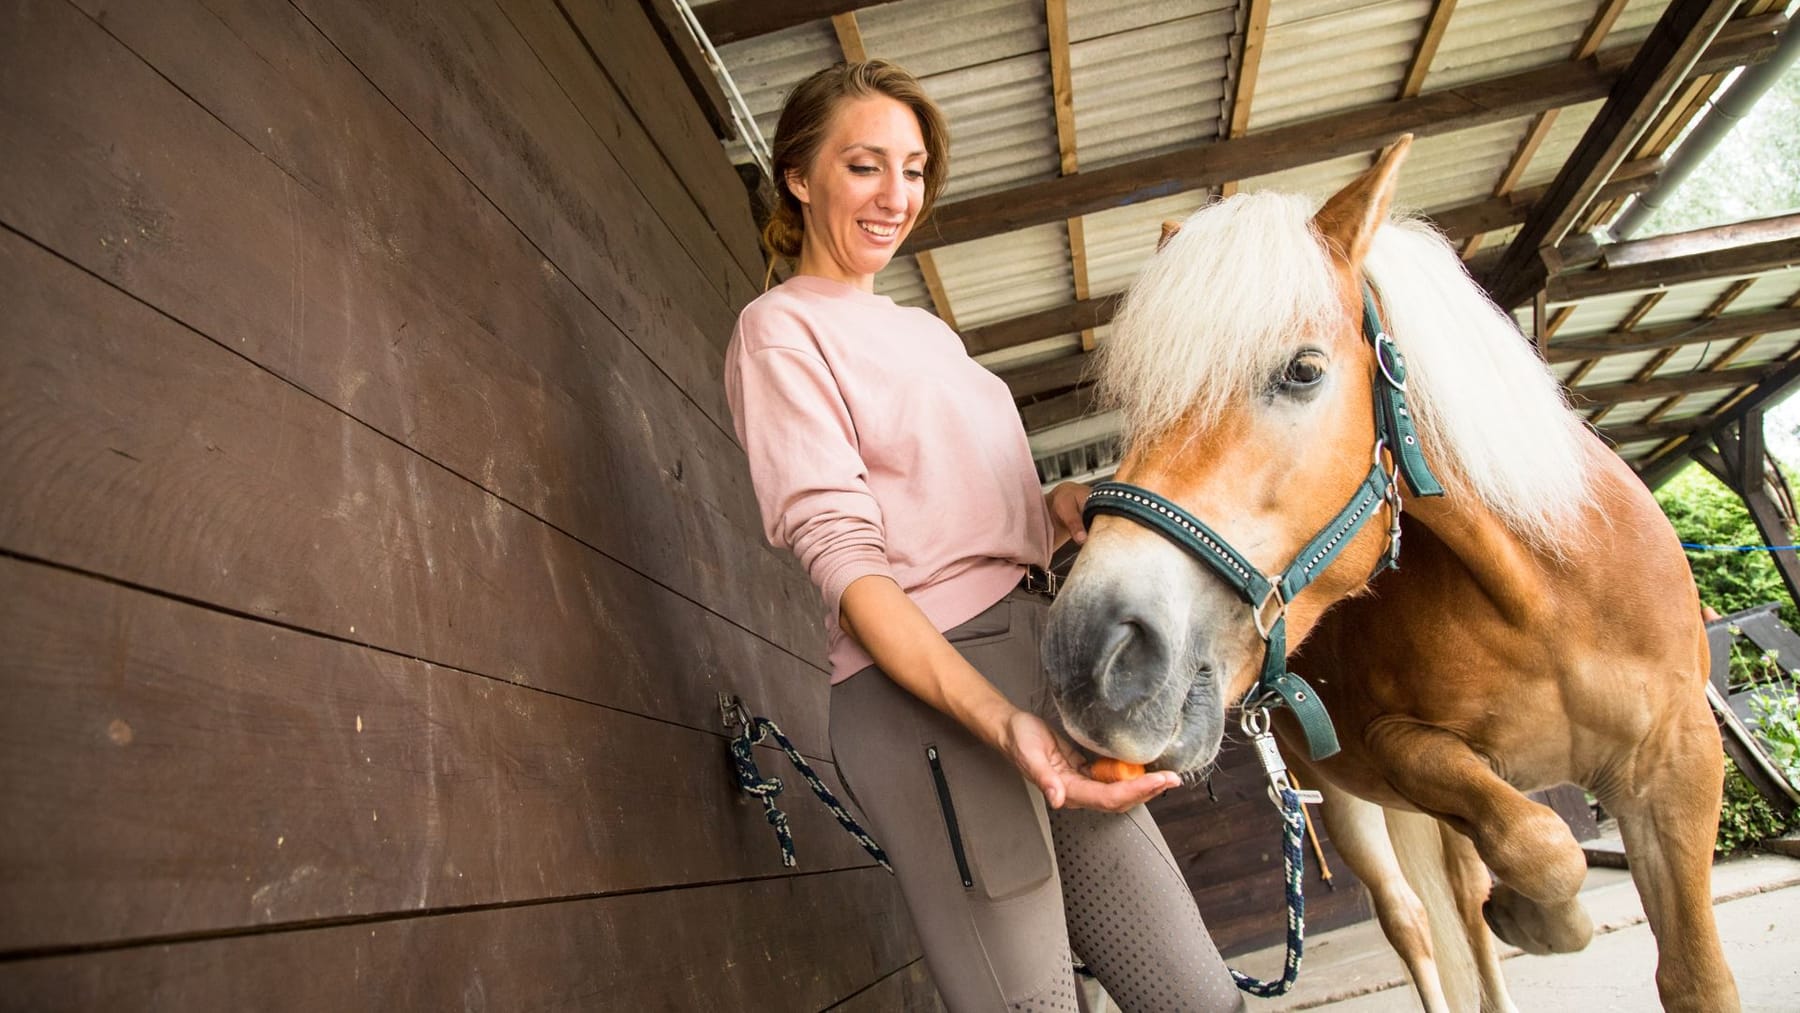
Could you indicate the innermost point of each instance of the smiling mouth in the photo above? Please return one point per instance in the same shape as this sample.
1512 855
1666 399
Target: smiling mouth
879 230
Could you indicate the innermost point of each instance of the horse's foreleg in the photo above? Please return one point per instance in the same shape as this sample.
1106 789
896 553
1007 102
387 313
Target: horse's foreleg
1470 885
1669 817
1527 845
1359 833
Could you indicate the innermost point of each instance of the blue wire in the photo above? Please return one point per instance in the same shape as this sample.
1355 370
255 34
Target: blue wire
1740 548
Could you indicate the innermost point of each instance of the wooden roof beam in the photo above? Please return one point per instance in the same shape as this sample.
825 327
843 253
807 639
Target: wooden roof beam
1435 25
1062 96
1753 258
735 20
1676 335
1781 377
1665 60
1665 386
1747 40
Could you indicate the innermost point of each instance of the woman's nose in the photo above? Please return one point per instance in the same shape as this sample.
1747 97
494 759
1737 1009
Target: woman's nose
893 192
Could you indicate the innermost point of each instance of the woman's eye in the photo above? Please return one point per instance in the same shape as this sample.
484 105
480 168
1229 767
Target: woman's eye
1304 370
915 174
865 170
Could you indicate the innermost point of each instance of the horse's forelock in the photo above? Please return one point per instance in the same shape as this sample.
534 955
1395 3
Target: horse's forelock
1213 314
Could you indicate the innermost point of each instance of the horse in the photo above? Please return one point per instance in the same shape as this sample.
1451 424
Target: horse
1541 626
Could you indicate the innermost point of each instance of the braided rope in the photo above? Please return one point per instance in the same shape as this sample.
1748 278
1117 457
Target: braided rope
755 730
1293 862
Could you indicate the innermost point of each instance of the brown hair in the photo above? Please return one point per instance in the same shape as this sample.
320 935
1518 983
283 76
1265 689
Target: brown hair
801 130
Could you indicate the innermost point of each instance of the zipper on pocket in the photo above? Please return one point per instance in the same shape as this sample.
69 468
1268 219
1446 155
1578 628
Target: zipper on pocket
943 794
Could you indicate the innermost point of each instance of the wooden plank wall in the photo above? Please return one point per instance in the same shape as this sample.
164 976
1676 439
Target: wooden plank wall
374 542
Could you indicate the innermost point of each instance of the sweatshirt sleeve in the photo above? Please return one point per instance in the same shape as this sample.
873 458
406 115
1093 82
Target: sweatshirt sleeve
811 482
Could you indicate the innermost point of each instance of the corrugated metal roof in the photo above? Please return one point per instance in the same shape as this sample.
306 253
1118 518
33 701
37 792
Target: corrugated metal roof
1370 46
1493 38
1002 277
1149 88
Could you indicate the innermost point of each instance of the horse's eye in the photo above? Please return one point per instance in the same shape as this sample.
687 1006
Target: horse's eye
1304 370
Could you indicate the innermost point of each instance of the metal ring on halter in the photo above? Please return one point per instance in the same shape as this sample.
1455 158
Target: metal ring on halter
1254 719
1383 341
1256 613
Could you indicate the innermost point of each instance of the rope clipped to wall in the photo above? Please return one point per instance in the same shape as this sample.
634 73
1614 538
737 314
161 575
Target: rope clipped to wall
751 730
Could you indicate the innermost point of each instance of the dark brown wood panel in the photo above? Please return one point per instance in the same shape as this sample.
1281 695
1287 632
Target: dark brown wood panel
636 102
265 71
799 943
172 770
140 450
528 390
519 139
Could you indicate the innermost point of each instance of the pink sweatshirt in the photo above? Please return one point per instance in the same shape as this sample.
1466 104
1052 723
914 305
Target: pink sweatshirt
877 446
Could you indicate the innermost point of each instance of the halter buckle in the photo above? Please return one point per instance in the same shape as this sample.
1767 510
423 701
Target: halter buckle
1265 622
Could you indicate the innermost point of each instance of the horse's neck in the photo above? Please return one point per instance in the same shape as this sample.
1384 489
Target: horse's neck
1509 572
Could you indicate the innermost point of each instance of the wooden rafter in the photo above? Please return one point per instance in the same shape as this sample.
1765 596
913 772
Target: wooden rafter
1665 386
934 284
1062 89
849 36
1632 319
1256 31
1666 59
1624 340
731 20
1663 462
1754 258
1426 50
1285 147
1712 313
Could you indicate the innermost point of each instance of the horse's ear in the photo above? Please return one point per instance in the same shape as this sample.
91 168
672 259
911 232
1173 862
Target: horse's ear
1349 219
1168 232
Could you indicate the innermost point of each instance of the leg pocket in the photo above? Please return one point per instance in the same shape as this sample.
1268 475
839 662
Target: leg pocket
999 836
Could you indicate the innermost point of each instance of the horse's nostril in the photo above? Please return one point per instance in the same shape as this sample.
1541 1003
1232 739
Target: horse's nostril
1131 663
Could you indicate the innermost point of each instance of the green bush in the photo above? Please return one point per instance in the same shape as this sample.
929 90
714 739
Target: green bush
1775 714
1704 511
1745 817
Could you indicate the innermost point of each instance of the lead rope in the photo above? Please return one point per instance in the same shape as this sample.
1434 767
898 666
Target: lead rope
752 730
1291 803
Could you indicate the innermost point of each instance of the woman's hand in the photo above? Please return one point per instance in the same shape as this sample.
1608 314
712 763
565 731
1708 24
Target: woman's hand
1052 762
1065 503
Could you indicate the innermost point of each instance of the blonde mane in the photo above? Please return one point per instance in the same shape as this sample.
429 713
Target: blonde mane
1213 315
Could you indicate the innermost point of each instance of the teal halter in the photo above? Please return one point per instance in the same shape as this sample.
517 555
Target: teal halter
1268 596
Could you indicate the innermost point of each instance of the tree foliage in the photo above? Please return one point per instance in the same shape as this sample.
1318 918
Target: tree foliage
1705 512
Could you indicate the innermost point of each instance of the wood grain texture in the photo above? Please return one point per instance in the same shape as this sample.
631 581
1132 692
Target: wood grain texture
1753 258
617 69
145 452
799 943
173 770
396 293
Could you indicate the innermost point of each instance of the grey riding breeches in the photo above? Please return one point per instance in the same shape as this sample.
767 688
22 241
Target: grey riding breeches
1000 888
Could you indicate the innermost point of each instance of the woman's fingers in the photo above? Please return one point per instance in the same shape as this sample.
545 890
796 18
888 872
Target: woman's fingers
1086 793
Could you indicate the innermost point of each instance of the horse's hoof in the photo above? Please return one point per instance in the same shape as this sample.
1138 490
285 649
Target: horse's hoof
1537 928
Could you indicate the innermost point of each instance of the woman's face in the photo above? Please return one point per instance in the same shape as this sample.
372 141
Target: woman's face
863 190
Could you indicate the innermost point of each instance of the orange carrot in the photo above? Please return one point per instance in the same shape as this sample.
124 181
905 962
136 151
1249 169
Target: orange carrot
1109 770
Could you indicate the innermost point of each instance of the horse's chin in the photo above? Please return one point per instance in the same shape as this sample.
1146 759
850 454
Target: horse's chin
1183 739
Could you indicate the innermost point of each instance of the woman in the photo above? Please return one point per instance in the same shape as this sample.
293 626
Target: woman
896 469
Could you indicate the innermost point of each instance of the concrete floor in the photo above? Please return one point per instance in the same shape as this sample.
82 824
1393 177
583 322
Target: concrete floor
1756 898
